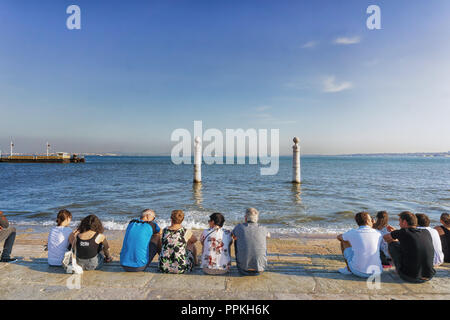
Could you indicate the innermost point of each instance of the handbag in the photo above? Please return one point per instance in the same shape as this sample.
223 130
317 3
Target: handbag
70 261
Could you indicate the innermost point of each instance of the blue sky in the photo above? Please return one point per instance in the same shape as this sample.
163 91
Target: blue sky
137 70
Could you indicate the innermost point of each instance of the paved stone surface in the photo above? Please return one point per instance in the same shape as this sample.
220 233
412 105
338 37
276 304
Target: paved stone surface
272 282
305 269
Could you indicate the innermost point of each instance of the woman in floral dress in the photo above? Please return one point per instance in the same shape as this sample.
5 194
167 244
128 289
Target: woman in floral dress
216 241
178 252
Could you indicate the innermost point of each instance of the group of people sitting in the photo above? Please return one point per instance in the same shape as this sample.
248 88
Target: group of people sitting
176 245
143 239
415 249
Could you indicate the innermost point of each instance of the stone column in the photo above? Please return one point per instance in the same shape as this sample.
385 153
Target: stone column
296 161
197 160
198 196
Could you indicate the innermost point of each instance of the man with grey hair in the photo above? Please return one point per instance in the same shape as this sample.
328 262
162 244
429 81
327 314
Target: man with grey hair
148 215
250 243
141 242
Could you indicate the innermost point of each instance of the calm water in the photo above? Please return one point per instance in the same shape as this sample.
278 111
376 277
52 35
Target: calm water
333 189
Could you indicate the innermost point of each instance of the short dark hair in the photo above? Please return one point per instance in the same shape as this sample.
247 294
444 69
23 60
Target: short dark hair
217 218
91 222
409 217
362 218
422 220
177 216
445 218
62 216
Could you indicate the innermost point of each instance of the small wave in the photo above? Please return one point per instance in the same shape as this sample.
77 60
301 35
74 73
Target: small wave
79 205
288 220
39 215
116 226
112 225
308 230
345 213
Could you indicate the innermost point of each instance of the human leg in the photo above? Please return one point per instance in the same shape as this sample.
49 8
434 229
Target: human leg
347 256
94 263
215 271
9 235
133 269
385 260
248 272
395 252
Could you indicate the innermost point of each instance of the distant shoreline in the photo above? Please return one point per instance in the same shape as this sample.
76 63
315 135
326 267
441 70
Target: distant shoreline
414 154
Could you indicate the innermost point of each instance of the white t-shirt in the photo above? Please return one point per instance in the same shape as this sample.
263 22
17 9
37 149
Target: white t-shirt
365 242
58 241
437 245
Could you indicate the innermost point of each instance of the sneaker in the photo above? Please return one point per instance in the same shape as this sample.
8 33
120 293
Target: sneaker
345 270
9 260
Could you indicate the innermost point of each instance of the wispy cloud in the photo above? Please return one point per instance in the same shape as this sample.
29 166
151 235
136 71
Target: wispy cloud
330 85
266 117
347 40
262 108
310 44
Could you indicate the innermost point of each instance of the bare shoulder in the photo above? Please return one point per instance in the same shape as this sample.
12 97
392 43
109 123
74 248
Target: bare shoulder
100 238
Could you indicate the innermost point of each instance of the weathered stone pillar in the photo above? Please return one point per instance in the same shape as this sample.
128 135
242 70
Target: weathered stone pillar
296 161
198 196
197 160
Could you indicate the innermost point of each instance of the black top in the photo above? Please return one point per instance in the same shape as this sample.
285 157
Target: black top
87 249
417 252
445 240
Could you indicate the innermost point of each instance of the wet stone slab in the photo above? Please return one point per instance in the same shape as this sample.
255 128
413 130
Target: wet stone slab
272 282
336 283
32 273
35 292
187 282
298 269
111 279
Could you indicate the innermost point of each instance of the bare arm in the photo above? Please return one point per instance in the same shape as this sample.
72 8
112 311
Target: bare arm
192 240
100 238
388 238
339 237
202 239
390 228
439 230
72 237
